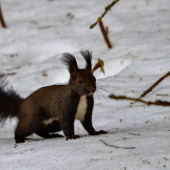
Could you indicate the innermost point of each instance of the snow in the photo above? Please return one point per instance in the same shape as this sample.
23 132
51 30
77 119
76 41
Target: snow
39 32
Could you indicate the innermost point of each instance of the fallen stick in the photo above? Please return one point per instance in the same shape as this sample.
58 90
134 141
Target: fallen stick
6 74
154 85
157 102
118 147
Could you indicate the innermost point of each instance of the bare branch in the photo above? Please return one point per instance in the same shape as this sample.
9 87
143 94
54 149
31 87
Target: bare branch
106 10
2 18
157 102
105 34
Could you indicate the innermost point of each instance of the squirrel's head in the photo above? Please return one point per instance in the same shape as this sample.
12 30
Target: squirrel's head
82 81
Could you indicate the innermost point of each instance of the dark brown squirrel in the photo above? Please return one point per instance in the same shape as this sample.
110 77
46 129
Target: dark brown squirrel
54 108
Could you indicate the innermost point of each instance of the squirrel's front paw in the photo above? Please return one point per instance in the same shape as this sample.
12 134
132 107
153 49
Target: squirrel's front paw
72 137
99 132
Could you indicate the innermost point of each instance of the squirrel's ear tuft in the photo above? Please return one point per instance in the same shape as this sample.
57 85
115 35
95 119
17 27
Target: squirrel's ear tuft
70 61
88 57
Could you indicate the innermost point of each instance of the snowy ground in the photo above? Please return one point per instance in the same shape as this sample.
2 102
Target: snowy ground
37 34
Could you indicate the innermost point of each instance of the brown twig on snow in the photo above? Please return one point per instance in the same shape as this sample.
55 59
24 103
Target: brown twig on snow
154 85
118 147
2 18
6 74
134 134
157 102
99 64
105 34
106 10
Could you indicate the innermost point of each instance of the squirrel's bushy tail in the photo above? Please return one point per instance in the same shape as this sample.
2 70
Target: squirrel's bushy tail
10 102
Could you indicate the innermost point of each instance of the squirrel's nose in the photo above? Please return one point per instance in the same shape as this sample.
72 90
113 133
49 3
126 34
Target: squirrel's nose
92 89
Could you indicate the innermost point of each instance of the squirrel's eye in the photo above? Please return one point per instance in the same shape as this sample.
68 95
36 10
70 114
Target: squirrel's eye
80 81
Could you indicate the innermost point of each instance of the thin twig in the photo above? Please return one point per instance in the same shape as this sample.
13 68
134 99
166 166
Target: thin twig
154 85
118 147
106 10
2 18
105 34
157 102
6 74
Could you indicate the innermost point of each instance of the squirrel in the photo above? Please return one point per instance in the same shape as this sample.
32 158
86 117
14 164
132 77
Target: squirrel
53 108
